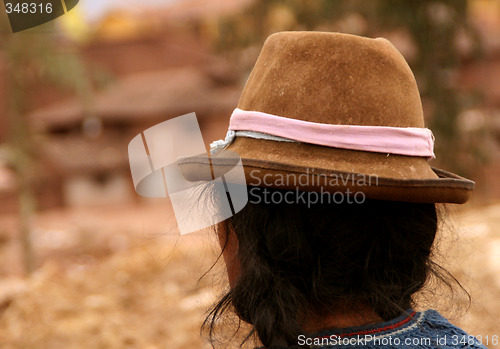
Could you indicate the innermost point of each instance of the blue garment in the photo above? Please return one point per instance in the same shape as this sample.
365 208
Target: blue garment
427 329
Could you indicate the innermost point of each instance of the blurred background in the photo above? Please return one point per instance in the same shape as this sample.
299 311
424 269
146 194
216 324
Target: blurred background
86 263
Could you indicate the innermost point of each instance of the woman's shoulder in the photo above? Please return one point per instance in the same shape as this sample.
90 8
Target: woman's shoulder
426 329
444 333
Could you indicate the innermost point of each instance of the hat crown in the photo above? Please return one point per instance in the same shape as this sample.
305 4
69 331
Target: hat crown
333 78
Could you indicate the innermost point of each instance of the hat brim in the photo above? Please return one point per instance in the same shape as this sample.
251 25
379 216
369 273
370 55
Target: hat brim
308 167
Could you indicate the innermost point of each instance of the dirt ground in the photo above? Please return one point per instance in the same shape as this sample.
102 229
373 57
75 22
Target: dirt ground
121 277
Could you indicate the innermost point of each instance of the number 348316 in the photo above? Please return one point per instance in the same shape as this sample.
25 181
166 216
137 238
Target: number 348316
28 7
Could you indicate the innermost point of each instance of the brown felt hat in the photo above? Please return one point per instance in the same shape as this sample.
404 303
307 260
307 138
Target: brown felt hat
336 79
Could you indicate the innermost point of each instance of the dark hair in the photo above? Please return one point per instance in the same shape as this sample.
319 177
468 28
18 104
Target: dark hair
297 259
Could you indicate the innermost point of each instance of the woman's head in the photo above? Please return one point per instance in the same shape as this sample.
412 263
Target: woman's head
291 262
341 109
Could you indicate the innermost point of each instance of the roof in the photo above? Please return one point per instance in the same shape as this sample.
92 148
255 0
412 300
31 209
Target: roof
142 96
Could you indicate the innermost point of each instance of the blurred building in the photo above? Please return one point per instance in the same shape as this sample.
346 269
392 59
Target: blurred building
85 153
161 67
483 76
